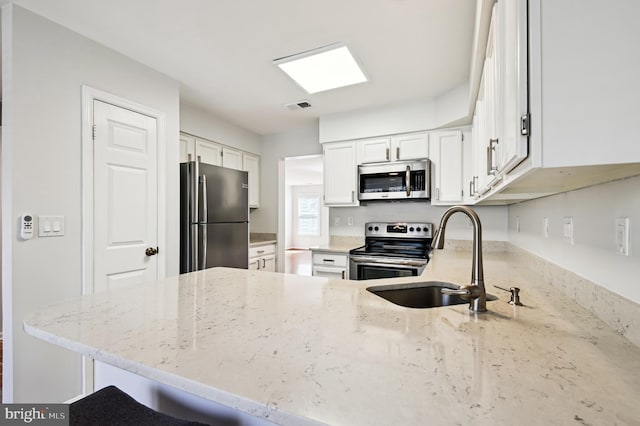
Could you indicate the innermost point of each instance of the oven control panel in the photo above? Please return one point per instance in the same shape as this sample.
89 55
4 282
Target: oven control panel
399 229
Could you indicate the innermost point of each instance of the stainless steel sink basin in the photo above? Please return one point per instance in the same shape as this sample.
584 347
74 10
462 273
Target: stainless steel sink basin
420 295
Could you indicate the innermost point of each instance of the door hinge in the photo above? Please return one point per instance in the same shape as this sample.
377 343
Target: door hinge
525 124
93 132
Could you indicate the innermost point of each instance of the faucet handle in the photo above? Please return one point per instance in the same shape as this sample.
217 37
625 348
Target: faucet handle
515 295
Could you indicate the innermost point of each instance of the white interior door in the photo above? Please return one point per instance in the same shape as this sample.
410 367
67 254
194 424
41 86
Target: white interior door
125 183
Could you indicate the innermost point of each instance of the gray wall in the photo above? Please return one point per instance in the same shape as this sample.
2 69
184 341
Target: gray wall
295 143
44 68
593 254
201 123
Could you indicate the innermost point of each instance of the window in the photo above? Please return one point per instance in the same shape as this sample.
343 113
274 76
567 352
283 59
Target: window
309 215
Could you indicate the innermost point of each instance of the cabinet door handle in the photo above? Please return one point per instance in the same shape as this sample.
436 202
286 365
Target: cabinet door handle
387 154
260 251
397 153
343 273
437 193
328 260
353 196
264 263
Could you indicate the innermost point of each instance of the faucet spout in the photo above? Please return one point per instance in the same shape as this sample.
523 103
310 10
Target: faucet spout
476 290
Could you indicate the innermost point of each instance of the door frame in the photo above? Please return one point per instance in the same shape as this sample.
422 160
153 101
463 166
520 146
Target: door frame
89 95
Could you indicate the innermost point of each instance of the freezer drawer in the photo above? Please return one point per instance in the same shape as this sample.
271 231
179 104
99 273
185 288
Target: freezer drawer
227 244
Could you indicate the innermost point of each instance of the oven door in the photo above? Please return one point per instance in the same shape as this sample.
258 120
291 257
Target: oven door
370 268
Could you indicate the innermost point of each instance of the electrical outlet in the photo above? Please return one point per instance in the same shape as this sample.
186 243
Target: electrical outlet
545 227
622 235
567 229
350 220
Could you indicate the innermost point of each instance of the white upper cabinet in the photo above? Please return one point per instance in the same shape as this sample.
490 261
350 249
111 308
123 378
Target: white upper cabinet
187 147
231 158
340 174
209 152
410 146
251 164
374 150
446 154
513 86
565 98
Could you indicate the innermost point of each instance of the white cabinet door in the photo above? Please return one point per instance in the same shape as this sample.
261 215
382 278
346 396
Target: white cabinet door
446 159
374 150
254 264
187 148
329 272
513 92
251 164
410 146
268 263
340 174
209 152
231 158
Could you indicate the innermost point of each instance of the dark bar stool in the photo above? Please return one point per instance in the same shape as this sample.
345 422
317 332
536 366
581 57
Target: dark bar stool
112 407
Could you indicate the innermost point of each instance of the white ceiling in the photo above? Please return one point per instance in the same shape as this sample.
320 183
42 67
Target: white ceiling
222 50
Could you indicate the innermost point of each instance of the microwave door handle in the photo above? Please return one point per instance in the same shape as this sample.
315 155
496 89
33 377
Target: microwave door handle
408 181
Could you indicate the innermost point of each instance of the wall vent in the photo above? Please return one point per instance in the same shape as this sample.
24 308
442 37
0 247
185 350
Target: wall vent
298 105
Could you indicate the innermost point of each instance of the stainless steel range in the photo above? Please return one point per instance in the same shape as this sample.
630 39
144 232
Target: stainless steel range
398 249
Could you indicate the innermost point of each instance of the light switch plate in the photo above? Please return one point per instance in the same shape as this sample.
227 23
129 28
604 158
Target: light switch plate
51 226
545 227
622 235
567 229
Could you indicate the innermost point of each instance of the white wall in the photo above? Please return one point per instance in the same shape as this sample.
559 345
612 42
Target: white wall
450 108
44 68
493 218
593 254
201 123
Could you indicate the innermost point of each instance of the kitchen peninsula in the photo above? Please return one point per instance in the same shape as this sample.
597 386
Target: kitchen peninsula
308 350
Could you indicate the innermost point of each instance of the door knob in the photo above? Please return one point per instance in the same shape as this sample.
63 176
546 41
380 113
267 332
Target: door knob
150 251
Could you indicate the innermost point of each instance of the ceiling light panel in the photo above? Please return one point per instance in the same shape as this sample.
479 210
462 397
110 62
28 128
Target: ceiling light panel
323 69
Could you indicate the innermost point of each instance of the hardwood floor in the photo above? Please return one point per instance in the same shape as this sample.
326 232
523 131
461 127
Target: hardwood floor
297 261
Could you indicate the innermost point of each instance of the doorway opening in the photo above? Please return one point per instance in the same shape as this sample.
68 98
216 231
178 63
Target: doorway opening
306 218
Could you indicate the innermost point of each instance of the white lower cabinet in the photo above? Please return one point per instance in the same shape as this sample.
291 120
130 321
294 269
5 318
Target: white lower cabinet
263 258
330 264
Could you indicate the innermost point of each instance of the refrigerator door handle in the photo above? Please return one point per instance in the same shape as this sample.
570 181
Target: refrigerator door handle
194 188
205 202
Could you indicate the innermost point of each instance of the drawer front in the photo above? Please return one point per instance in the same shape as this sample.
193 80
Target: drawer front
327 259
328 272
262 250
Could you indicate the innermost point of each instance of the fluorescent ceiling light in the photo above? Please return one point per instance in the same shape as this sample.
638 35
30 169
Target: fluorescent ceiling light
322 69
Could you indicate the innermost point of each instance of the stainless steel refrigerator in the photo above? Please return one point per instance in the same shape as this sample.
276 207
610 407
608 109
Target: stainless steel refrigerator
214 217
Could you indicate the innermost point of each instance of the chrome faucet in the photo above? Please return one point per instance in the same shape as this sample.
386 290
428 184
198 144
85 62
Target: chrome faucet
475 291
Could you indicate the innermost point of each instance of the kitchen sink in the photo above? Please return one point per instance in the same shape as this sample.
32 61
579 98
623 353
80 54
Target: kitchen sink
420 295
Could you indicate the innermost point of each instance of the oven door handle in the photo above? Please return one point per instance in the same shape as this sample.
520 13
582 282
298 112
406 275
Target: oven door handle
390 262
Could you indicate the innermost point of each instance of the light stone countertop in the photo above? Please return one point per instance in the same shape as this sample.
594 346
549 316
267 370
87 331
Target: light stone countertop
262 243
340 244
308 350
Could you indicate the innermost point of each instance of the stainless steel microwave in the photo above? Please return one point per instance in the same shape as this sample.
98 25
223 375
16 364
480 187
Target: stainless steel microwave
398 180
